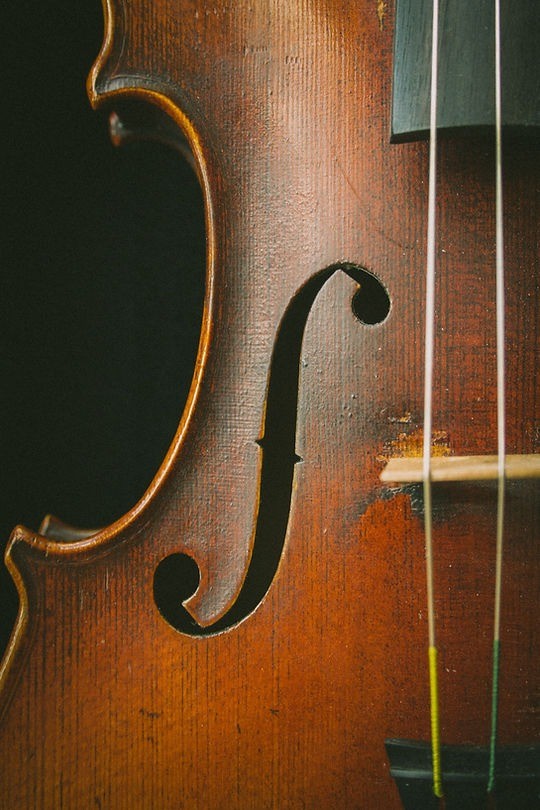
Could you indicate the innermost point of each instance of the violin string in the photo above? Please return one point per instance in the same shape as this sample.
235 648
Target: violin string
428 408
501 410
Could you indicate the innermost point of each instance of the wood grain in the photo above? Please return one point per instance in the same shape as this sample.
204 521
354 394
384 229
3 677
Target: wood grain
286 107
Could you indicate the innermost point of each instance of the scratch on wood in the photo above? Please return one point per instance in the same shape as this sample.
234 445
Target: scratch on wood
383 233
346 178
381 12
146 713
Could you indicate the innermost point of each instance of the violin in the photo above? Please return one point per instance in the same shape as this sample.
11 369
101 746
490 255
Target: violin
328 595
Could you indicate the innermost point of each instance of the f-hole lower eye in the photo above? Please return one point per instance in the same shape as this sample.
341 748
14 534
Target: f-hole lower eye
176 579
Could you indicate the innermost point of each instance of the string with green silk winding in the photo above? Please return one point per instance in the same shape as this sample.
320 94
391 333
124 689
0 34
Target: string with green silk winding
428 406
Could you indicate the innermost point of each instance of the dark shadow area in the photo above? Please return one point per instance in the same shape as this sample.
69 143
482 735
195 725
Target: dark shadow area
102 286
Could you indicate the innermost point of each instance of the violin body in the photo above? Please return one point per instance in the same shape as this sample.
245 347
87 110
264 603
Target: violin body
302 644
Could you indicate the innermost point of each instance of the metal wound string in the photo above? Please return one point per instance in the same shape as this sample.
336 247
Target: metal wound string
501 416
428 408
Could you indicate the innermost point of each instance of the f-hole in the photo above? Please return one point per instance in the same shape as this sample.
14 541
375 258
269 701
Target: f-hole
177 576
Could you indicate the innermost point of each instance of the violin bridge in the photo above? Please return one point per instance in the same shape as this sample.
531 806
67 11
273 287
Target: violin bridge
409 470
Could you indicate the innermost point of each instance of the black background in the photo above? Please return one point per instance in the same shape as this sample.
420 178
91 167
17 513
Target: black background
102 268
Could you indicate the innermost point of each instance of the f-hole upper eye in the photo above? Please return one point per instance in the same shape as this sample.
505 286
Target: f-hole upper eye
371 303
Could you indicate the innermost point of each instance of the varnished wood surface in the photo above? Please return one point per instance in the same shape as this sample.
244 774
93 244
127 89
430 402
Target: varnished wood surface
104 704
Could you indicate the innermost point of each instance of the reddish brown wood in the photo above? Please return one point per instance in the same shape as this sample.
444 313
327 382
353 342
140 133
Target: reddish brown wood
104 704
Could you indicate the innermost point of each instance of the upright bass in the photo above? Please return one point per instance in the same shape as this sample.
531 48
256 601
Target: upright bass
329 595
